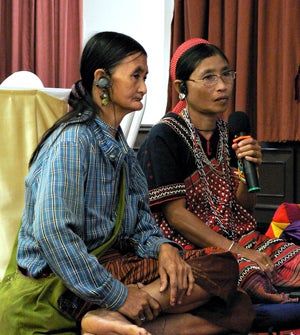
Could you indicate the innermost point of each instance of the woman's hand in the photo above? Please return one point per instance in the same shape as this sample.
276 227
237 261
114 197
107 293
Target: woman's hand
175 274
261 258
139 305
249 149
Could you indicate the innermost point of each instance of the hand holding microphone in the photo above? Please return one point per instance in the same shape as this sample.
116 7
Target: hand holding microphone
239 128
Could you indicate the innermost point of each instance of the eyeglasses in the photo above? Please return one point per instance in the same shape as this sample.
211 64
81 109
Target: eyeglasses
210 80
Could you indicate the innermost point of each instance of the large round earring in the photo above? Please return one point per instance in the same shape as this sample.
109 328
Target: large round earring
181 96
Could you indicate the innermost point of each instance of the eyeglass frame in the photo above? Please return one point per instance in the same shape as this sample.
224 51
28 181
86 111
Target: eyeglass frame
217 76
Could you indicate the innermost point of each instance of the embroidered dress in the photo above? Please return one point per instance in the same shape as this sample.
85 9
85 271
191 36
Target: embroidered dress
180 163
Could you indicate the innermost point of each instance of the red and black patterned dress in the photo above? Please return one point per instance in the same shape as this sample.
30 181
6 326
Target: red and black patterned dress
168 158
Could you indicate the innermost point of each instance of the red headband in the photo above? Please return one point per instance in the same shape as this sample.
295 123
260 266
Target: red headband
177 54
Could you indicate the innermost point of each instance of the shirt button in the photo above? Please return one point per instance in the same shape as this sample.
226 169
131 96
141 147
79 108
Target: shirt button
112 156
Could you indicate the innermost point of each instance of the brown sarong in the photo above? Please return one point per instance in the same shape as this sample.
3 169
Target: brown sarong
214 270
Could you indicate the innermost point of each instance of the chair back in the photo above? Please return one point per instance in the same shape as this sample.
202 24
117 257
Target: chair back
22 79
24 116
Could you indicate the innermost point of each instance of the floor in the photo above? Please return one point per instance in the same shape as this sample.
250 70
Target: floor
285 332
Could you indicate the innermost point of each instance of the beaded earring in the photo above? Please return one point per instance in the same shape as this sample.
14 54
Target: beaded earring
104 97
181 96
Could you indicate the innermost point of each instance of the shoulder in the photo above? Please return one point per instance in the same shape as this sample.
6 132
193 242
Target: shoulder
165 139
80 133
167 127
69 140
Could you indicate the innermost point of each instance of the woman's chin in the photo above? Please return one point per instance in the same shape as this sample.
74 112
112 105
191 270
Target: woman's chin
137 106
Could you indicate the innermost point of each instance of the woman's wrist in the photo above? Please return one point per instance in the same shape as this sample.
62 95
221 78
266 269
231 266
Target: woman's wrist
241 174
237 248
231 246
234 247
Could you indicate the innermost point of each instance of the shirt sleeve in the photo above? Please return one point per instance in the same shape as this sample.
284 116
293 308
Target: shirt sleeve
166 162
147 237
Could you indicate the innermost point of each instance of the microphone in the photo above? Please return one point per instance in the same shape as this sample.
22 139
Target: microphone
239 128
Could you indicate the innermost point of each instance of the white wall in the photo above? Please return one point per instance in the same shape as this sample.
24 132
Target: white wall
149 22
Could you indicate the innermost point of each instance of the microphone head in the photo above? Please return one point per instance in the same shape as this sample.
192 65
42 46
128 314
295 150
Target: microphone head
238 122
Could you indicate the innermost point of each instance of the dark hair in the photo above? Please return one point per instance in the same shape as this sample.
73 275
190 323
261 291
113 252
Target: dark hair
104 50
191 58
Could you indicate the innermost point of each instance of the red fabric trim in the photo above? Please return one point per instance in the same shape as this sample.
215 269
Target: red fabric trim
165 200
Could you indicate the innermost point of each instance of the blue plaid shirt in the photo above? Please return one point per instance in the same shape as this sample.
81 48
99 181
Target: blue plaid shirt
70 209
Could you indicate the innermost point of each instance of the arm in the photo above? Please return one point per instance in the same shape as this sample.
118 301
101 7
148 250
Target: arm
244 198
174 272
192 228
147 237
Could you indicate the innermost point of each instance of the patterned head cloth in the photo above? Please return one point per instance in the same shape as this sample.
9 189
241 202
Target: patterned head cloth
177 54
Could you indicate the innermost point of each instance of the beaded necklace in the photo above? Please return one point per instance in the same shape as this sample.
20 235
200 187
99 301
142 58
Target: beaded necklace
212 200
111 128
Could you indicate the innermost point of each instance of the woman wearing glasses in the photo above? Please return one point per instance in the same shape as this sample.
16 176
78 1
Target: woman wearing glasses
197 195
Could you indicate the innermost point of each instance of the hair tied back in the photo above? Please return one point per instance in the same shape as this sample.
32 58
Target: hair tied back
78 90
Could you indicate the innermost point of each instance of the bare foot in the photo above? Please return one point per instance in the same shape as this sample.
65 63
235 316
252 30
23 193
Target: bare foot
183 324
103 322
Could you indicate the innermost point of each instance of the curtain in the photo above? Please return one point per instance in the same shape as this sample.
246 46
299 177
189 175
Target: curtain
41 36
261 39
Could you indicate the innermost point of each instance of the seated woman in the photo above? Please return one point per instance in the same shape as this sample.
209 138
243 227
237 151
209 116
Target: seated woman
73 188
197 195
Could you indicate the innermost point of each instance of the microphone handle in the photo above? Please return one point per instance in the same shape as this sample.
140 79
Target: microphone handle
251 176
249 168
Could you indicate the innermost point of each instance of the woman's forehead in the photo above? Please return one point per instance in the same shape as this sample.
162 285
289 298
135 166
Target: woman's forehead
215 62
137 60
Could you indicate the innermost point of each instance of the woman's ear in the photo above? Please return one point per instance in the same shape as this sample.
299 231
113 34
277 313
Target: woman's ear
99 73
176 85
180 86
101 79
